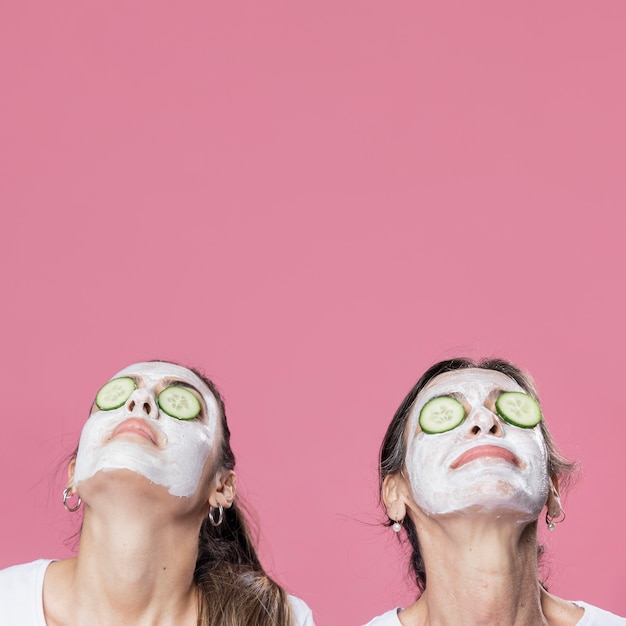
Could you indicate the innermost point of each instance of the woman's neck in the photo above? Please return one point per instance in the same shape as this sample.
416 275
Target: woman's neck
479 571
134 566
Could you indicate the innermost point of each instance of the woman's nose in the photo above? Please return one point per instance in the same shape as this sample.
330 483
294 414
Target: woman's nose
483 421
141 402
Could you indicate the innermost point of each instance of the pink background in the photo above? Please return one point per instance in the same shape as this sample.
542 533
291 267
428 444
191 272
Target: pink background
313 202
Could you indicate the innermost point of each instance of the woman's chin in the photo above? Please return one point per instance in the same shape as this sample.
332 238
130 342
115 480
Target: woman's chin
120 483
495 499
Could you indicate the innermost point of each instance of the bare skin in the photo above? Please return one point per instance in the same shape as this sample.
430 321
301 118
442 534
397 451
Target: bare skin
131 569
483 572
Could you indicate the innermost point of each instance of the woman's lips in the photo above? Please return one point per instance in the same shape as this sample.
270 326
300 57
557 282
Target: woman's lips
138 427
479 452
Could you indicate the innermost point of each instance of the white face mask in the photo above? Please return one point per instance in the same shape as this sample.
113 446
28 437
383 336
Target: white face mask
482 464
167 451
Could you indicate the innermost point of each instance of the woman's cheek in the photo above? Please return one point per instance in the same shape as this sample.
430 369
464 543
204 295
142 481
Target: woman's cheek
426 472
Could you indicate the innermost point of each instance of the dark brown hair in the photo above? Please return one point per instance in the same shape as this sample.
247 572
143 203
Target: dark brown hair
393 448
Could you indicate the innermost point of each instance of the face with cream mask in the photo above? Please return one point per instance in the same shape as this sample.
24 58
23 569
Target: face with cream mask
485 463
140 436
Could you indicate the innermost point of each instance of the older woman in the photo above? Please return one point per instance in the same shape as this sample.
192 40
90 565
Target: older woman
163 541
467 467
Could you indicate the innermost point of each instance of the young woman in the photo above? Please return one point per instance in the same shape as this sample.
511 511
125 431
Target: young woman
467 467
163 541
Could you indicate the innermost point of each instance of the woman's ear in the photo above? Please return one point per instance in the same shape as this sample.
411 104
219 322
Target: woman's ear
553 504
70 475
394 496
224 489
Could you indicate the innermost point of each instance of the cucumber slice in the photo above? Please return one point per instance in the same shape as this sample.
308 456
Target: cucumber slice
519 409
113 394
441 414
179 402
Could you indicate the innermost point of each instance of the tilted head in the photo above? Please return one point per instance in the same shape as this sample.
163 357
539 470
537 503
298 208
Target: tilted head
160 420
484 463
168 424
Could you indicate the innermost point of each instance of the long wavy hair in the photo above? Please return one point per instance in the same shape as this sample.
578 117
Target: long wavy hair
235 589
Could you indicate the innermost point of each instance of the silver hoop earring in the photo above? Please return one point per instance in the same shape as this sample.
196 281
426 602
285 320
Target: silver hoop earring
397 526
66 496
220 515
551 522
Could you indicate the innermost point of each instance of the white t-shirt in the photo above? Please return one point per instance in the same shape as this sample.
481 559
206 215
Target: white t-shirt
21 597
593 617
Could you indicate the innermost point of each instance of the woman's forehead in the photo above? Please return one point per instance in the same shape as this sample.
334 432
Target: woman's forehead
152 372
469 380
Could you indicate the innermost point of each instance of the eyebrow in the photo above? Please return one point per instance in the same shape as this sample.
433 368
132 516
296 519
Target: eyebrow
175 382
495 393
457 395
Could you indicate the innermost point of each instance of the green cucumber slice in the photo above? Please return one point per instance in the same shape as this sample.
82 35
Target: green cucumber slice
113 394
519 409
179 402
441 414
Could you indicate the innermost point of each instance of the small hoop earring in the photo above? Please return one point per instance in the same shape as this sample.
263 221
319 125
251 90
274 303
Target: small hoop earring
552 521
220 515
66 496
397 526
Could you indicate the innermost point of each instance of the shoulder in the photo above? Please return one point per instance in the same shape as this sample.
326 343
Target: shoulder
390 618
21 593
598 617
23 575
301 612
